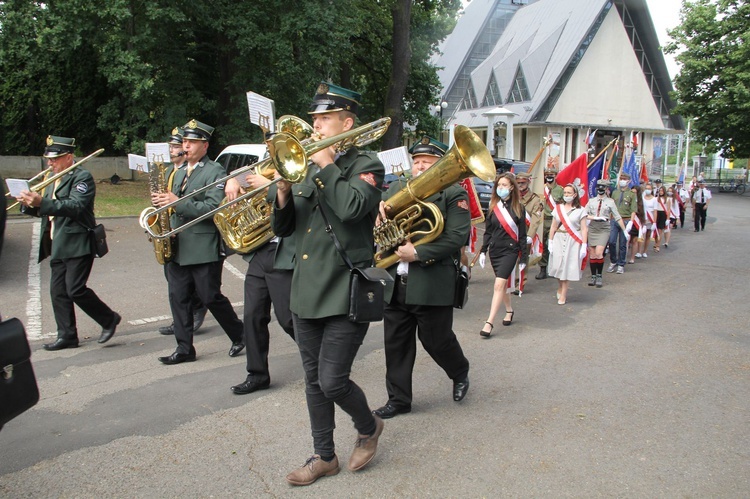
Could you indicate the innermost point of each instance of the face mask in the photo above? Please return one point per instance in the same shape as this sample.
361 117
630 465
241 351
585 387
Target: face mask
647 192
568 199
503 193
601 190
670 194
623 183
549 180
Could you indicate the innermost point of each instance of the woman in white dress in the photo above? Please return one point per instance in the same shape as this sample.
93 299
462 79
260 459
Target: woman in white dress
649 220
567 241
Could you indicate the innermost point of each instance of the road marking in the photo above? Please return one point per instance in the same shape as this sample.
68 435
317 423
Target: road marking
34 304
234 270
158 318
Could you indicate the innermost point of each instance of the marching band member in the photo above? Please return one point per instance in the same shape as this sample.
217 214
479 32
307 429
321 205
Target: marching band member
177 160
567 245
505 240
67 212
346 186
197 263
553 194
422 298
599 211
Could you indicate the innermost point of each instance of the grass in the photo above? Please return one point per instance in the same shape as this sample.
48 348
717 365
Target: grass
126 198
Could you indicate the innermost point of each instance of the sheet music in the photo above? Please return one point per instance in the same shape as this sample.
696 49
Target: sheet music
396 160
15 186
262 112
137 163
157 151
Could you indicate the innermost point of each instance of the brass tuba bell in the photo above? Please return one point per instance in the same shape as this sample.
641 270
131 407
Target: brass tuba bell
409 217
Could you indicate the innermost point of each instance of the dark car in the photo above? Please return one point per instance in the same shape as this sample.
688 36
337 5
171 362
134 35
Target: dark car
484 191
502 165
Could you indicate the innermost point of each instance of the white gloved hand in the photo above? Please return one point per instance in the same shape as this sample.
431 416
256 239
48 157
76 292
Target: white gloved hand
627 236
528 240
583 253
549 246
482 259
522 267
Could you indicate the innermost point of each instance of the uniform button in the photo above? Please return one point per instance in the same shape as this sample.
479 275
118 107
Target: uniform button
304 257
309 230
299 193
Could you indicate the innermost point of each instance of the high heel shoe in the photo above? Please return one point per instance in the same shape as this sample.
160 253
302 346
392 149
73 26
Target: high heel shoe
508 323
486 334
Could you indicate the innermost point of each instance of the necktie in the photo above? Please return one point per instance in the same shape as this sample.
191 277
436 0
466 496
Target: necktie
599 208
702 200
622 194
52 218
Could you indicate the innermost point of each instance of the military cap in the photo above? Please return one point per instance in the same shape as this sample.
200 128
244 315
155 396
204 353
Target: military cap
195 130
657 181
59 146
523 176
329 98
603 183
428 147
624 175
176 137
550 169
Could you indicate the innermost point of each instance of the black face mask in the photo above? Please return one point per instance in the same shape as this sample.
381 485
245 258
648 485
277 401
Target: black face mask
549 180
601 190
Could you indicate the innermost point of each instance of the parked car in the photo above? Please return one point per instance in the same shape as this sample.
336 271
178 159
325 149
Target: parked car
484 191
239 155
502 165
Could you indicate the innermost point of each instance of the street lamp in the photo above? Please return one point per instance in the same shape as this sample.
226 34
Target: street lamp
439 110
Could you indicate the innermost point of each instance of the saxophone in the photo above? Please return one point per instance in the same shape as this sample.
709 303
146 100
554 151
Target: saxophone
158 223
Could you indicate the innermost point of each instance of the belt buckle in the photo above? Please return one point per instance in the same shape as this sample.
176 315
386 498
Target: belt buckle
402 279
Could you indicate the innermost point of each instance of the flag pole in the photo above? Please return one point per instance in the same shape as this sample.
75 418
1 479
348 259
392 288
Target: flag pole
600 153
605 171
547 141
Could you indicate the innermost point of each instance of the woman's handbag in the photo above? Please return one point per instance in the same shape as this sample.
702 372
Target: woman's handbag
461 296
18 388
366 285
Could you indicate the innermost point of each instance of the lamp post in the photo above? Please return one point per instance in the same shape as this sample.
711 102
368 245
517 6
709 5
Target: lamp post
492 116
439 110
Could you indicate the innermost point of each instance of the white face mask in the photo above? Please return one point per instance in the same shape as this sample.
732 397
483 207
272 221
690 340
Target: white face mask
503 192
568 199
647 192
623 183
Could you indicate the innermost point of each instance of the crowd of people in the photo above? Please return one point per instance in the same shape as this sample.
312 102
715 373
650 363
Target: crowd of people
324 223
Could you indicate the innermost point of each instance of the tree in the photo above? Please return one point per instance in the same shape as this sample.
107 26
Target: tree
714 82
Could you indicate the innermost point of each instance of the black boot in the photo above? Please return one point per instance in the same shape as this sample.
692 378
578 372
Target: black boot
542 273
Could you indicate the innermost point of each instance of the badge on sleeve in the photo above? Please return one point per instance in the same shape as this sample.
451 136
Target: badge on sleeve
82 188
368 177
463 204
220 186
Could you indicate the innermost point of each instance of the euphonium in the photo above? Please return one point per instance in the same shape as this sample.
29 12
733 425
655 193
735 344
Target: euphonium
409 216
158 222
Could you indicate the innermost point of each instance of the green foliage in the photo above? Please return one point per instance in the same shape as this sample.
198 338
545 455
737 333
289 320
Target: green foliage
120 73
713 45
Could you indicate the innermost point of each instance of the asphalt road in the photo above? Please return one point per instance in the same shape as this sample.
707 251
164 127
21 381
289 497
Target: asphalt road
638 389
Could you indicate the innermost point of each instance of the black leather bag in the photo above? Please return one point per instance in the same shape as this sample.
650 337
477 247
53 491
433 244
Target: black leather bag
367 294
18 388
461 296
99 240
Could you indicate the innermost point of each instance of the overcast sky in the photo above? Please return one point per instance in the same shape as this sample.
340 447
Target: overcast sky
666 15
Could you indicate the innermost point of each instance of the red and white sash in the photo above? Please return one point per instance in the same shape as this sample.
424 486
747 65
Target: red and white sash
652 221
548 198
636 222
575 234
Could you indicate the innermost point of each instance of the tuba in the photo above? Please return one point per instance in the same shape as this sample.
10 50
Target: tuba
245 223
409 216
157 222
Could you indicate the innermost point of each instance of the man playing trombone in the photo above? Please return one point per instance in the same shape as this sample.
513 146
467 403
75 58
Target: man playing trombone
197 263
67 211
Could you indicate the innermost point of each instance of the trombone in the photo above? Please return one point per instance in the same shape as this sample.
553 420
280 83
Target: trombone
51 180
290 158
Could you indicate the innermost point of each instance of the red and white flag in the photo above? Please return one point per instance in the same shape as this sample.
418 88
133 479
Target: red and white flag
576 173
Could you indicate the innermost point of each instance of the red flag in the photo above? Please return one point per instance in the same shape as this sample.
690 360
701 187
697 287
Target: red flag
475 209
577 174
644 173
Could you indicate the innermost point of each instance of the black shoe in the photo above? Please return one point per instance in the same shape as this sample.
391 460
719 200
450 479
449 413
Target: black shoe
508 323
237 347
166 330
250 385
460 388
542 273
198 318
108 332
388 411
178 358
61 343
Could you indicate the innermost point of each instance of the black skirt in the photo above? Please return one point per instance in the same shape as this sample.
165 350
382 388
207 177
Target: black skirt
503 263
661 219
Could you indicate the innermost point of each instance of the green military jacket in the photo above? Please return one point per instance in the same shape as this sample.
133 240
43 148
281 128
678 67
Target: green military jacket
534 207
349 191
284 257
556 195
199 243
628 204
432 280
73 212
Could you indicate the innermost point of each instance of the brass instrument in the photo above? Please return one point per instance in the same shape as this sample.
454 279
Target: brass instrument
157 181
51 180
409 217
290 158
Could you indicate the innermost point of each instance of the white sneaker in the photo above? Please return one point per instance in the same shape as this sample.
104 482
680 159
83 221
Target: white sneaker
638 255
620 269
612 267
644 255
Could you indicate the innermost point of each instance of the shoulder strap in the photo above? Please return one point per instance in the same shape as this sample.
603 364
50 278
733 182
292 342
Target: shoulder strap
336 242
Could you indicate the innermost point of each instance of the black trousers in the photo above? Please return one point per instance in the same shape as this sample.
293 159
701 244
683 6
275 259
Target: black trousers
205 280
68 287
682 216
263 286
328 346
546 226
699 216
434 326
196 303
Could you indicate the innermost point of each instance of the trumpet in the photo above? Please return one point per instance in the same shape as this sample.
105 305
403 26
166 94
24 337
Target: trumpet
290 159
51 180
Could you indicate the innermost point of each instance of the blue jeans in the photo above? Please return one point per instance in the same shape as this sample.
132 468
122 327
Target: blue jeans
328 347
618 244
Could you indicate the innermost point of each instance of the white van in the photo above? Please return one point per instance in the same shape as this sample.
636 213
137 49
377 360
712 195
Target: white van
239 155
